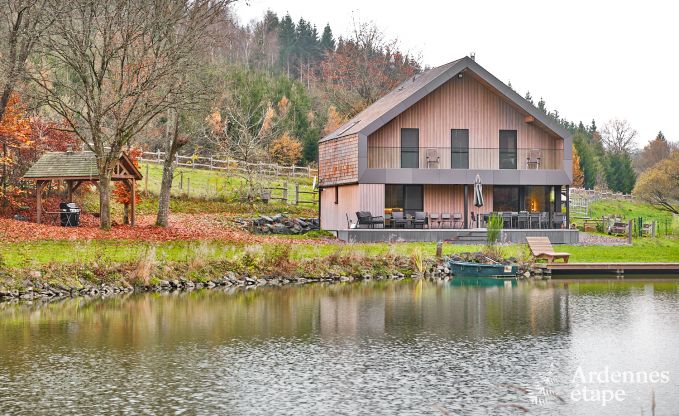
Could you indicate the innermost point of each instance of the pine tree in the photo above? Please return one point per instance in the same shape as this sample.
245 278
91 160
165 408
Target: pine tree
542 106
529 98
578 176
287 42
327 40
660 136
620 175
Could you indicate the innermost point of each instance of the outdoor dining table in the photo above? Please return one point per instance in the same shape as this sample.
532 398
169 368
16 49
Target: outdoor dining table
533 218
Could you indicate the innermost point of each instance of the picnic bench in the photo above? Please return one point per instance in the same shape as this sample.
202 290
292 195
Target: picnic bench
542 248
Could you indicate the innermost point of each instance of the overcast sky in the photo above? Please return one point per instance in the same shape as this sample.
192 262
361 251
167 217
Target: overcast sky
588 59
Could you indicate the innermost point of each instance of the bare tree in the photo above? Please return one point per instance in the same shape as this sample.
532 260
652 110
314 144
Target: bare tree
618 136
109 68
22 22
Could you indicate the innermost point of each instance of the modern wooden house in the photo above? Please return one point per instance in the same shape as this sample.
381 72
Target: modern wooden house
420 148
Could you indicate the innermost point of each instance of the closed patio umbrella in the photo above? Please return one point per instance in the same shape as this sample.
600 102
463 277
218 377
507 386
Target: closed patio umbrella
478 197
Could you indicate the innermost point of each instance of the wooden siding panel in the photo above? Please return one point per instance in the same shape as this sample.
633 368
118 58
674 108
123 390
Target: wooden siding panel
333 216
450 199
462 103
338 161
372 198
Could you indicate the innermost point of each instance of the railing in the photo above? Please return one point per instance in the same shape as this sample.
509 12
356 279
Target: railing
473 158
216 163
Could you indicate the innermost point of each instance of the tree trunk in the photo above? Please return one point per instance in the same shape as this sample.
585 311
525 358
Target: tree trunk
126 213
165 189
105 201
172 146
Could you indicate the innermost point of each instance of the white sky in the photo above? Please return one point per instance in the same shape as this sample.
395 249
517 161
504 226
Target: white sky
588 59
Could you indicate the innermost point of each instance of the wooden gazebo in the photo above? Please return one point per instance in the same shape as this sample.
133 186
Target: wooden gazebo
76 168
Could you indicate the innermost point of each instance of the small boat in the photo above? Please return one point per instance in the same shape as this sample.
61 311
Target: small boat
475 270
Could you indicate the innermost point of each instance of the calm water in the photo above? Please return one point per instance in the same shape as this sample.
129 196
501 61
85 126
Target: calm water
367 348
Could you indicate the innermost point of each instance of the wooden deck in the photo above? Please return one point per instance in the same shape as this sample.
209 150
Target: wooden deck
577 270
454 236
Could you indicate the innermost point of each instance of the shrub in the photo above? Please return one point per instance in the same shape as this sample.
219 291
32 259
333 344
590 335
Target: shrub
494 228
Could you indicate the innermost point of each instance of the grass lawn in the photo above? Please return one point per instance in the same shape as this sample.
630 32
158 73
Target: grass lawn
667 223
35 254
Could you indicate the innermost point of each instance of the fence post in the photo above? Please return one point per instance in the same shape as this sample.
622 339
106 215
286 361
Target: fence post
630 226
210 162
158 156
146 181
296 194
188 187
653 225
285 192
181 180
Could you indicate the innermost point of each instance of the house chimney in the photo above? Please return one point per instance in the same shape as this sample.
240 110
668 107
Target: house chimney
69 149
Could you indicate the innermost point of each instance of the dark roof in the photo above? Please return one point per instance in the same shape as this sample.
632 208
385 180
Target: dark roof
73 165
417 87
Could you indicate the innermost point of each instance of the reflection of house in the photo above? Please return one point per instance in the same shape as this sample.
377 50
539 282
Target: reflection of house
352 315
420 147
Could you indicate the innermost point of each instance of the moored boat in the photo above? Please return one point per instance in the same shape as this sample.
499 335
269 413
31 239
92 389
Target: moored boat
475 270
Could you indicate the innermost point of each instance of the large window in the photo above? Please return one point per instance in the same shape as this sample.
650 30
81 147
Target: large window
506 198
459 144
507 149
536 199
410 148
407 197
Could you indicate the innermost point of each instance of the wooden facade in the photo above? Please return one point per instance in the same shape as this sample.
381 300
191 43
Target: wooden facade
463 103
363 157
338 161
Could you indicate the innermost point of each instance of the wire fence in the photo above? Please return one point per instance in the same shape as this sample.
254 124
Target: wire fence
216 163
224 185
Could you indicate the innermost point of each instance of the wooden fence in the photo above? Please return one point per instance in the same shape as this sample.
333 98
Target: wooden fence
213 163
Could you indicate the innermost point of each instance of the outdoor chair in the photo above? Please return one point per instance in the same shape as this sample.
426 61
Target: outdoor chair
446 218
434 218
366 218
420 220
433 158
506 220
542 248
544 220
350 224
457 221
534 220
523 220
559 220
399 220
533 159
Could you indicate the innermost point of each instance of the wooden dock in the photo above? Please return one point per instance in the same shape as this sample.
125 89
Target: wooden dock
574 269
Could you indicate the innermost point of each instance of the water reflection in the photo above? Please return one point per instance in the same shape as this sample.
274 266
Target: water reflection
392 347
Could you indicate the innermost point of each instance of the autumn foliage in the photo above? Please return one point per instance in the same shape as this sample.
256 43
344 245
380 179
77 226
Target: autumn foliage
285 150
578 175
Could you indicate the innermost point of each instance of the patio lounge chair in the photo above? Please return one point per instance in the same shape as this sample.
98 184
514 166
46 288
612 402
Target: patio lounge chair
542 248
366 218
420 220
445 218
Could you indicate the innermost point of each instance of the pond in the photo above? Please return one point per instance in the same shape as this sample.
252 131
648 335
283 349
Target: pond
408 347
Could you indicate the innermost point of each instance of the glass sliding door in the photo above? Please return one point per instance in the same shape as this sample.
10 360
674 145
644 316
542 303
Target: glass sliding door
409 198
507 149
459 144
505 198
410 148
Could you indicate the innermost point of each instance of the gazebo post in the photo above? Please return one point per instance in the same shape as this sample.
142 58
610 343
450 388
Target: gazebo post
69 191
39 185
133 202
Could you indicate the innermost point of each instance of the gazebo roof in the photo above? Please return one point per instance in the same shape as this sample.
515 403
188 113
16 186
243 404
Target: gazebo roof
77 165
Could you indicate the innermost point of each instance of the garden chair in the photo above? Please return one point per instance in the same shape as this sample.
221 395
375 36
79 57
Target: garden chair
446 218
542 248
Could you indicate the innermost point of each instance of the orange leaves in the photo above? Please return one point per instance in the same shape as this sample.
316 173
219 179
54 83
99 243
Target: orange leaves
285 150
15 127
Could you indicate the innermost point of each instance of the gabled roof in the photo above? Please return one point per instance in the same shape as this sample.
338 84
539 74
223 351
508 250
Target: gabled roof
415 88
83 165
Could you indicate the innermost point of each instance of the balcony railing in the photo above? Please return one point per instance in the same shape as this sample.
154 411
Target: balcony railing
473 158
